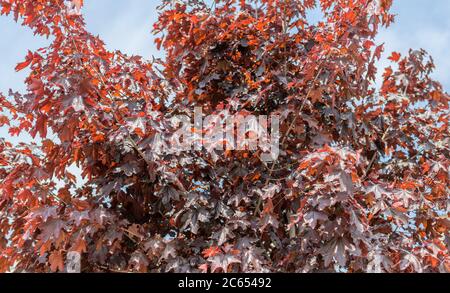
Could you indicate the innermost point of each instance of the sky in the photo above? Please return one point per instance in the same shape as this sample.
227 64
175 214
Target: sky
127 25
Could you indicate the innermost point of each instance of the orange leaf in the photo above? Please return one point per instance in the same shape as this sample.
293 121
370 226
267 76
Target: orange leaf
211 252
56 261
79 246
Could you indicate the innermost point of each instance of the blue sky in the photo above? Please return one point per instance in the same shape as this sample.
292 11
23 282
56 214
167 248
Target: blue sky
126 26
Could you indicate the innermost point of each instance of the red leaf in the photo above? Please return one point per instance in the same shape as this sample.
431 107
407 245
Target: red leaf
6 7
26 63
368 44
395 57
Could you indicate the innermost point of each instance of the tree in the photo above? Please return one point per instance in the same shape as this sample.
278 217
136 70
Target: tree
361 183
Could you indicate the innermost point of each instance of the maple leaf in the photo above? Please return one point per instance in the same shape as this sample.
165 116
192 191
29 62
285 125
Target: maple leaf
56 261
337 250
51 230
79 246
313 217
223 262
26 63
44 213
4 120
379 262
140 261
395 56
6 7
212 251
252 257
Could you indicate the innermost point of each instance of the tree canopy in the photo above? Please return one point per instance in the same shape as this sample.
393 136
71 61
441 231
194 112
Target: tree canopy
361 183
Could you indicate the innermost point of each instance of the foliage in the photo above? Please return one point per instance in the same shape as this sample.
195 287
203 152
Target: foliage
361 184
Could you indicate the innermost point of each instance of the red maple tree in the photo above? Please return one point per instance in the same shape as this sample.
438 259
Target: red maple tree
361 183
